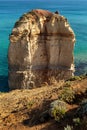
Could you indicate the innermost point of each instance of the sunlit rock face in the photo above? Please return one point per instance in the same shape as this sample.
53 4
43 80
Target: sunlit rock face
40 50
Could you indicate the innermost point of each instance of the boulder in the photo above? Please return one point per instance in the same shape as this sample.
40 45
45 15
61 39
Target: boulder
40 50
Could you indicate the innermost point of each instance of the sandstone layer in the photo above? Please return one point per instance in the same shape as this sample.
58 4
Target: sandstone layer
40 50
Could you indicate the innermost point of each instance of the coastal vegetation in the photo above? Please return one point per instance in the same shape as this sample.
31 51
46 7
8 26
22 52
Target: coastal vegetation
63 106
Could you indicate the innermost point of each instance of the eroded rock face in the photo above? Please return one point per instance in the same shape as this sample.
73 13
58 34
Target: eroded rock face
40 50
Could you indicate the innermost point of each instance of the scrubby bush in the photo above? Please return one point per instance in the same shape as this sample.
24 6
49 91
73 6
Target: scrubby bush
73 78
58 109
77 121
68 127
58 113
30 104
67 95
82 110
67 84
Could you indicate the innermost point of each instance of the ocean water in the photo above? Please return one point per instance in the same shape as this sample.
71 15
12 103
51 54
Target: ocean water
74 10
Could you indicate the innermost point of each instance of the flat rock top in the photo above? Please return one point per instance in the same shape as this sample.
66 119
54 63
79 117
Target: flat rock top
42 12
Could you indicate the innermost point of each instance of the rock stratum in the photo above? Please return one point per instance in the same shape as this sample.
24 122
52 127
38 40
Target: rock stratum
40 50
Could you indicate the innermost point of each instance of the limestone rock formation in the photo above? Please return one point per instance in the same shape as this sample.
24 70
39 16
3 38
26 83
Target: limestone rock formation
40 50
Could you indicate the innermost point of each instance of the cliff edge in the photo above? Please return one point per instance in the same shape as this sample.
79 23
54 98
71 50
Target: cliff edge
29 109
40 50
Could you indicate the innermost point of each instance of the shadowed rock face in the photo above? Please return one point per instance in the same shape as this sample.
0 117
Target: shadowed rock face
40 50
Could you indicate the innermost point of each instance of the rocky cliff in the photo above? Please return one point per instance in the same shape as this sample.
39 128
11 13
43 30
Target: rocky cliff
40 50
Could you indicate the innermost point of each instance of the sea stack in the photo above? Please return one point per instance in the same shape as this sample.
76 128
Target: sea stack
40 50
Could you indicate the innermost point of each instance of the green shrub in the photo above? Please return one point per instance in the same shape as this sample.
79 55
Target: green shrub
77 121
75 78
82 109
58 113
67 95
67 84
68 127
57 109
30 104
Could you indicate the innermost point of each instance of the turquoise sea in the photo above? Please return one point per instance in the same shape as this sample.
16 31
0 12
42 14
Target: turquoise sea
74 10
